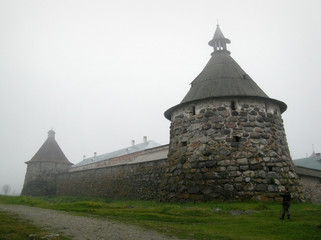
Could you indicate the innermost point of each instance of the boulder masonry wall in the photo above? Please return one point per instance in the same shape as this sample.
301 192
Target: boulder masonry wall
221 152
126 181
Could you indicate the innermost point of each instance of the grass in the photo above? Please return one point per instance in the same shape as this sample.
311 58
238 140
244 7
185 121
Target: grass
194 221
12 228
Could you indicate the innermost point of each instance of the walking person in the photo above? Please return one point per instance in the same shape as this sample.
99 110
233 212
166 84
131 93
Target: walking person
285 194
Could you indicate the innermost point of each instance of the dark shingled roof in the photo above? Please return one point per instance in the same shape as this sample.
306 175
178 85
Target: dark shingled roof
222 77
50 151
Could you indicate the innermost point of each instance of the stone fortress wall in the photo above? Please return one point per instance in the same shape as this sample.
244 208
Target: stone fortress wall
124 181
133 176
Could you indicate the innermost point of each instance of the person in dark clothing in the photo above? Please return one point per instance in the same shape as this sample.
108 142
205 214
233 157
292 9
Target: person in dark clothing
285 203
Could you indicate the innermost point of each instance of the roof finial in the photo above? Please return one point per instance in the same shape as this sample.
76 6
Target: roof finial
217 23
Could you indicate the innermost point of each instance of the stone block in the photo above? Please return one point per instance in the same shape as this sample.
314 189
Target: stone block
256 167
234 173
245 106
239 179
231 125
272 175
262 174
248 129
220 169
225 152
249 187
247 124
273 154
261 198
272 188
209 114
228 187
224 113
210 163
277 182
260 187
193 189
255 161
242 161
232 168
226 131
223 163
254 113
249 173
206 126
232 119
244 167
245 135
259 125
207 191
255 135
255 141
292 175
235 113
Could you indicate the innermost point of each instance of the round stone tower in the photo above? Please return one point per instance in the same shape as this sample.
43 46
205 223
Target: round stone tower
227 139
41 172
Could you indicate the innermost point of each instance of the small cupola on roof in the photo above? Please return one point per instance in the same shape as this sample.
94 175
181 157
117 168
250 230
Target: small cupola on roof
51 134
222 77
219 41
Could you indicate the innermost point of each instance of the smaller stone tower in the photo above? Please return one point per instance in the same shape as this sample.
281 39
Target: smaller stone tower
227 139
41 172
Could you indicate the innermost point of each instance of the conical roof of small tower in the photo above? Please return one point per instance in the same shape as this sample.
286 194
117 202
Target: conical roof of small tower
222 77
50 151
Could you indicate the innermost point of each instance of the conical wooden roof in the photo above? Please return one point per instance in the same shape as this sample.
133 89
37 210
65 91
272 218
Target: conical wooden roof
222 77
50 151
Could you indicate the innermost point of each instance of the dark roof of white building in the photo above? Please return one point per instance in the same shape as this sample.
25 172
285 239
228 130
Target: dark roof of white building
121 152
50 151
312 162
222 77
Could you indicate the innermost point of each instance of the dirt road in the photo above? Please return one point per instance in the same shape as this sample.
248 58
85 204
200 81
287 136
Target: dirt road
82 228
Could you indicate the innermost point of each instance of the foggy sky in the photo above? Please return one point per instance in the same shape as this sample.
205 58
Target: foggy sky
102 73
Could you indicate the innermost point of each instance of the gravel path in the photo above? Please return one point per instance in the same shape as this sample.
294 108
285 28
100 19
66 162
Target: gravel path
82 228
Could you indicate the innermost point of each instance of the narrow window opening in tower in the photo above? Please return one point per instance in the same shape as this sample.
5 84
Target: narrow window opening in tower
233 106
193 110
237 139
270 169
266 107
184 144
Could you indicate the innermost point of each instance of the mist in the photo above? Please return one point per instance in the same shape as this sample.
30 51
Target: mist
102 73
